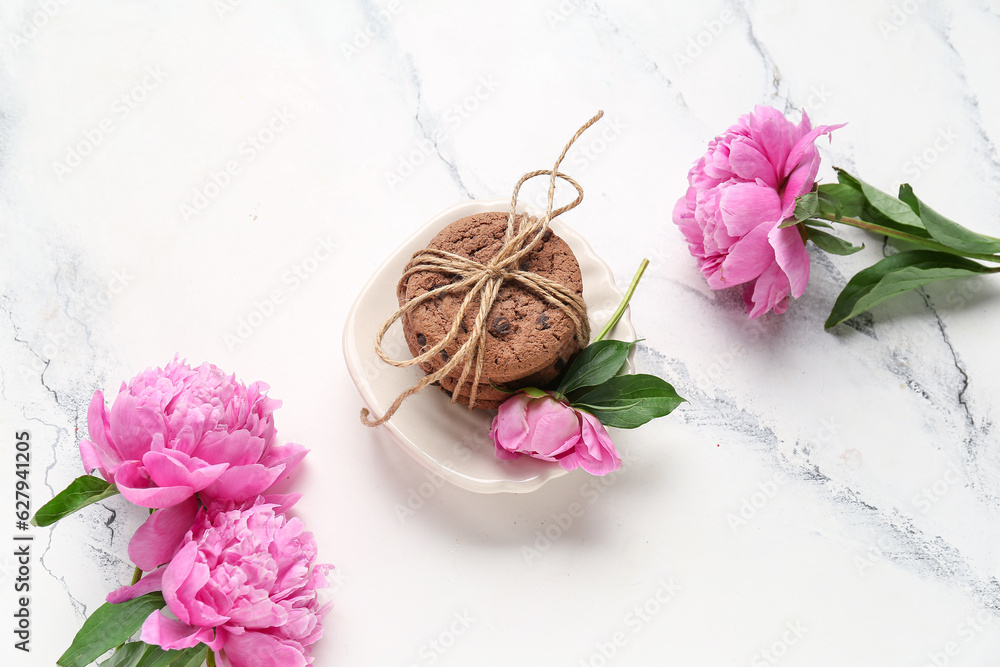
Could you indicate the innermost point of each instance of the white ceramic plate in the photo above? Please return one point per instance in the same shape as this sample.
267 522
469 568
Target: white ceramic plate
446 438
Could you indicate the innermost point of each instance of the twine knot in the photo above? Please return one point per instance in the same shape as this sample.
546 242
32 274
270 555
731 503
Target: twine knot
483 281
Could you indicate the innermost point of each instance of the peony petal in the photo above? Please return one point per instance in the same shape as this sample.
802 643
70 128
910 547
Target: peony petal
133 483
151 582
156 540
132 425
288 455
172 634
92 460
510 426
257 649
791 255
504 454
97 424
802 164
747 259
553 427
774 133
170 468
258 614
683 217
282 501
554 433
744 206
240 483
236 448
571 461
184 577
767 292
750 164
601 456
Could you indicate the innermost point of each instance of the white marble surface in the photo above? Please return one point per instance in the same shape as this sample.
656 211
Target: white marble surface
826 498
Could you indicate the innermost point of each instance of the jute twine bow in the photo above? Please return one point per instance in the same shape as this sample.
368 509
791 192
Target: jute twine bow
523 234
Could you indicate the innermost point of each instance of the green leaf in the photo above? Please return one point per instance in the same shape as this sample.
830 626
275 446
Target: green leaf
806 206
189 657
830 243
880 208
597 363
139 654
109 626
127 655
81 492
950 233
890 207
817 223
897 274
841 199
627 401
907 197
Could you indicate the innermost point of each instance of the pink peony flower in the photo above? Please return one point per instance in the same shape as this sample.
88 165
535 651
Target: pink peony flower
178 431
738 194
243 581
550 429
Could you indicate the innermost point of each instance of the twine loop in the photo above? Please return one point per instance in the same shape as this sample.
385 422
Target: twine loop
522 235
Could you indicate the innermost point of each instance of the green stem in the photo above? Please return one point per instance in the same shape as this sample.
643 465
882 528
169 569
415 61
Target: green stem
137 575
624 304
917 240
211 658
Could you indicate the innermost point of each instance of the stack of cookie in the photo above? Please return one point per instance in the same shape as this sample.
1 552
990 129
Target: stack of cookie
529 341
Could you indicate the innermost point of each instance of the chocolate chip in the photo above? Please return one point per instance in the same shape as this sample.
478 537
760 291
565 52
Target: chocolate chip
444 355
421 339
546 236
542 322
560 364
500 326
